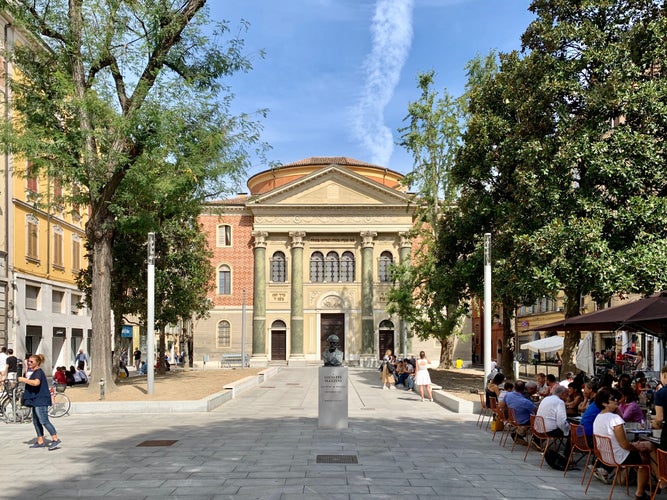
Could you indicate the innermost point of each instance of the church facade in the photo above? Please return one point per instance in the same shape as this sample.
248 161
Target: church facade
305 255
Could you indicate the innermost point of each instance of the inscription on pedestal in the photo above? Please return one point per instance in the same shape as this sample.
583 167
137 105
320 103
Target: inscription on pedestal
332 409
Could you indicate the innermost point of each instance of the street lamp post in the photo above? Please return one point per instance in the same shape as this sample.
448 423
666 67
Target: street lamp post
150 323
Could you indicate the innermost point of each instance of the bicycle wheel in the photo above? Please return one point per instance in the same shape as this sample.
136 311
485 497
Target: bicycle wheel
18 413
60 405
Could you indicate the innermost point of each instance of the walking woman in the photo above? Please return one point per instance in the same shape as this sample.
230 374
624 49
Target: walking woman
38 396
422 378
387 371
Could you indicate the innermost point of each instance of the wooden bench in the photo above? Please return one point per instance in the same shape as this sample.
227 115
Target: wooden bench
233 359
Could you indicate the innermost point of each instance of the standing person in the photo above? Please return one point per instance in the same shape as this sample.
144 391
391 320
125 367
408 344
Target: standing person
137 359
81 359
3 362
422 378
387 371
38 396
12 365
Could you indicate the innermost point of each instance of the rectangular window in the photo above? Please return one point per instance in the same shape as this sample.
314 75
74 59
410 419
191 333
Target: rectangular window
74 304
224 235
31 297
57 301
31 178
32 239
58 250
76 256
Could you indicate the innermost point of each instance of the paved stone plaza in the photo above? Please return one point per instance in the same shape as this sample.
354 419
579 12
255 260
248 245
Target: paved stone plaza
265 444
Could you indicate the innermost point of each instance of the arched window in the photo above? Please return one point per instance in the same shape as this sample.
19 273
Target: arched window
331 265
316 267
224 236
386 325
384 265
224 337
224 280
347 267
278 273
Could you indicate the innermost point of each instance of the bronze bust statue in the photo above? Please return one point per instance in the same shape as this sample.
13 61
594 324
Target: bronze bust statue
333 356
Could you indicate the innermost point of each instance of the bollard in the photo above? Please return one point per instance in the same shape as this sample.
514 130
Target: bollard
102 389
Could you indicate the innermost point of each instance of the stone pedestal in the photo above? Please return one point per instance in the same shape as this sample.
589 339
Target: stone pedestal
332 409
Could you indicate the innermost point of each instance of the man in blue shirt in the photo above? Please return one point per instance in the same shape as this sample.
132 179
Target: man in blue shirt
523 407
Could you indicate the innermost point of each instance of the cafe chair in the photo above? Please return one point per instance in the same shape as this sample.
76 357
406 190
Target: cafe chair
578 444
512 426
539 437
662 471
499 415
484 412
604 453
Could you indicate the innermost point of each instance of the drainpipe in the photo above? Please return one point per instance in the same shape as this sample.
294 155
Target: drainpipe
9 226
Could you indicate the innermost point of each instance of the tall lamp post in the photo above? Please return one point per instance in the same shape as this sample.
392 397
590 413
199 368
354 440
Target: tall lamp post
487 306
150 323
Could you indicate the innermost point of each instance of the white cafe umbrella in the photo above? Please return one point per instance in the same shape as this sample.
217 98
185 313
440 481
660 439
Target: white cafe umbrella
547 344
584 359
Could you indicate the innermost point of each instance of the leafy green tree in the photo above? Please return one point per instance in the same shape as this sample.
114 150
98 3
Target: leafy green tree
420 295
602 197
124 89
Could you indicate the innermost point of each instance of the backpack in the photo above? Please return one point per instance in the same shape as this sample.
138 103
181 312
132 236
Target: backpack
555 459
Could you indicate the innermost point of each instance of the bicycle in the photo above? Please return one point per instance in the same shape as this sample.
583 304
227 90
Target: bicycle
60 402
11 408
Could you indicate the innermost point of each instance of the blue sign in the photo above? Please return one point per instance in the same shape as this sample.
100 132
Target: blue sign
126 331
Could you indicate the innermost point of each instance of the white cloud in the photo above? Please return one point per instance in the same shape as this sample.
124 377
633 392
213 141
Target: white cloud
391 32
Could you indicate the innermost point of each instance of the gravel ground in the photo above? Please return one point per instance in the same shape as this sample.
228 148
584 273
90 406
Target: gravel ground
184 385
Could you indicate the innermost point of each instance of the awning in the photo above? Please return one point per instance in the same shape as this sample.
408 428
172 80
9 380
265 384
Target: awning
547 344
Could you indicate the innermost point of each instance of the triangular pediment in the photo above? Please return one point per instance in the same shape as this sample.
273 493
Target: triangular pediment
332 185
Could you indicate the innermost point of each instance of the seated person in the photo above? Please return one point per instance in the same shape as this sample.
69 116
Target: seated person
493 387
552 410
143 369
552 382
573 399
401 374
542 387
59 376
589 391
628 406
587 419
507 388
80 377
609 424
69 375
523 407
531 391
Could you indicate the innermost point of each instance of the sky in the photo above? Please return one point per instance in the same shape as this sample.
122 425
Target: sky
337 75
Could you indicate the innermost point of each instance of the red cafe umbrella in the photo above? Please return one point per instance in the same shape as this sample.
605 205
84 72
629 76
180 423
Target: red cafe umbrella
647 315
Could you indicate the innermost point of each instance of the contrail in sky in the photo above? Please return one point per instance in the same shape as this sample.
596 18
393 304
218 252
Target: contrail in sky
391 32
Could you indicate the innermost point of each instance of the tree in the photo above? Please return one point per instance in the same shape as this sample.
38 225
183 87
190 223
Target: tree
420 296
123 89
602 198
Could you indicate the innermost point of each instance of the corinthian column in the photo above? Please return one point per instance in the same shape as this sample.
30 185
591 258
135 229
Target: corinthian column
296 298
259 353
367 326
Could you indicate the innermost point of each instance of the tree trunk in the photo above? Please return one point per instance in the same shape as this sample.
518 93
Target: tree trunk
160 352
102 264
571 339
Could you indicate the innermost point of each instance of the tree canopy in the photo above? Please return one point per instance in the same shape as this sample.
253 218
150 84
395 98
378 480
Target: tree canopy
118 97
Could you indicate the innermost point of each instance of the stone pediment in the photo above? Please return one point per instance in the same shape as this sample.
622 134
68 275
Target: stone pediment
331 186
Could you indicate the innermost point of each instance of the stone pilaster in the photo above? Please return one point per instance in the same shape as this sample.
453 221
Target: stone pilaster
405 247
367 326
296 296
259 296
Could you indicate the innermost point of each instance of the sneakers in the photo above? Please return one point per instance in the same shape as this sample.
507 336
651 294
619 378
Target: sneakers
384 387
54 445
601 475
37 445
431 400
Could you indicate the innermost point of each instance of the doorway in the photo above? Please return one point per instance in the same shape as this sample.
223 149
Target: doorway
386 338
278 341
332 324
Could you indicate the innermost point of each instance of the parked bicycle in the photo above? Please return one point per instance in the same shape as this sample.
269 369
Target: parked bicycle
60 402
12 409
